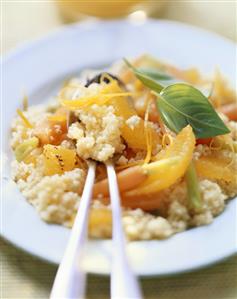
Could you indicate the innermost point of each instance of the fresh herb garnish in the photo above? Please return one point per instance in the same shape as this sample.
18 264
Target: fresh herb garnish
181 104
193 187
155 74
145 78
161 78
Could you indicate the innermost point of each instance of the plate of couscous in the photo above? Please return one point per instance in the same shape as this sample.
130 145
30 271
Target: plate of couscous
155 99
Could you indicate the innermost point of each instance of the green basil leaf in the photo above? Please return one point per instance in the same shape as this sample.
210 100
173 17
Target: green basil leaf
160 77
182 104
155 74
147 80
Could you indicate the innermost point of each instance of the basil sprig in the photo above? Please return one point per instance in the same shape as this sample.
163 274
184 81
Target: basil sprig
155 74
145 78
181 104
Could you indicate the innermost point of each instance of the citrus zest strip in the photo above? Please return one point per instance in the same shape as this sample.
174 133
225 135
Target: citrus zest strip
24 119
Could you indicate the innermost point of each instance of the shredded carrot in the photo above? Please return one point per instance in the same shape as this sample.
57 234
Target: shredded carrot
213 147
58 118
148 135
231 162
100 99
135 163
160 122
220 142
223 140
108 92
24 119
164 137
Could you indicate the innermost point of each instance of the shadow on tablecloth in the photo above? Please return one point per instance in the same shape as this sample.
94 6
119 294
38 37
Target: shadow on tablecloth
27 277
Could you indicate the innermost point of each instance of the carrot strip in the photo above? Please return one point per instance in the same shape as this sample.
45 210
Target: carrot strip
135 163
145 202
230 110
127 180
160 122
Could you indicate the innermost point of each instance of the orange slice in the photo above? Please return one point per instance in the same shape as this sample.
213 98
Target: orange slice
57 159
216 167
171 166
100 220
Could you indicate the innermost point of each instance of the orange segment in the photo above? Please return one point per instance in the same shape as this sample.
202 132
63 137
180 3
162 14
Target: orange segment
100 219
216 167
179 146
113 95
136 137
57 159
53 129
172 164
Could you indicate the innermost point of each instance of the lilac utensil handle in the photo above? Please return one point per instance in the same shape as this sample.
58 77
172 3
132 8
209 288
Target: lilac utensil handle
71 279
123 281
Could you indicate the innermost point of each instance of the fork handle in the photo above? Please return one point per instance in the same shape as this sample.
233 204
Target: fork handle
71 278
123 282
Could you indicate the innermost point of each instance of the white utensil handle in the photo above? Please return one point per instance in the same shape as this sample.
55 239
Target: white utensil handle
124 284
70 279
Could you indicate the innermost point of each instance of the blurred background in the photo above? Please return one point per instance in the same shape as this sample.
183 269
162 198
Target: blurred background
25 20
29 19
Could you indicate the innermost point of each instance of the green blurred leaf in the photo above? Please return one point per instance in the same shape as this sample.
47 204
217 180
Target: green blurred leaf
155 74
146 79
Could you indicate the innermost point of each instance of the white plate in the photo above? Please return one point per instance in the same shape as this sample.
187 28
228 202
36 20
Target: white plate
39 67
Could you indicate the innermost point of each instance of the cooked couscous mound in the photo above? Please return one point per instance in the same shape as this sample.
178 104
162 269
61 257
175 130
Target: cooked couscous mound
170 179
97 133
